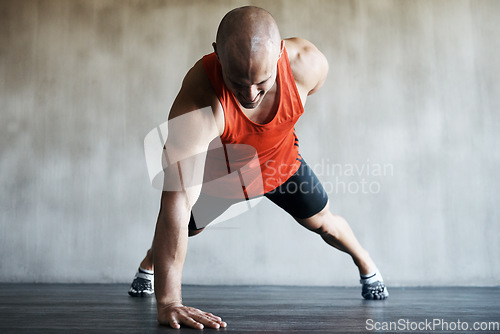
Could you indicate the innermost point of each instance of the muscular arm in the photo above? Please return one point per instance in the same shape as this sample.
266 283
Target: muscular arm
191 128
309 65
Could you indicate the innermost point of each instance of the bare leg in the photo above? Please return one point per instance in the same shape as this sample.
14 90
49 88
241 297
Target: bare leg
143 283
147 262
336 232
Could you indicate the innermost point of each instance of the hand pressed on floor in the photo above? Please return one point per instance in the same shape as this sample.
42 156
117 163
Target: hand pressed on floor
176 314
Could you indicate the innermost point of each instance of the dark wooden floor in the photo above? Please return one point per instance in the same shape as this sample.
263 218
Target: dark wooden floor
31 308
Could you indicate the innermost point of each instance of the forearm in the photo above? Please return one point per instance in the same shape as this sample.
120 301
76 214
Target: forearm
169 247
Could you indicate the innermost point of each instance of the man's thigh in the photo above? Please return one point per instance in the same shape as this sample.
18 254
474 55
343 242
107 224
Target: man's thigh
208 208
302 195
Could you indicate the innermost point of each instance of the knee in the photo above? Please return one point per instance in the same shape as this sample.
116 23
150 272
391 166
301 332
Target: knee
320 223
330 226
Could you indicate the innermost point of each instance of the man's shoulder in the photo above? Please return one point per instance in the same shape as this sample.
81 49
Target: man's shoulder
196 93
197 83
309 65
300 52
297 46
196 87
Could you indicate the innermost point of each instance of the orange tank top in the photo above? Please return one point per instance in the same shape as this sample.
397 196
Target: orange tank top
263 155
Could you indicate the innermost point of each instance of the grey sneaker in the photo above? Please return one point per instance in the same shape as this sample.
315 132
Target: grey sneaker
374 291
143 284
373 287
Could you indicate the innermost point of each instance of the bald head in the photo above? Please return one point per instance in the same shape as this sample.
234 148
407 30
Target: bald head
248 46
248 31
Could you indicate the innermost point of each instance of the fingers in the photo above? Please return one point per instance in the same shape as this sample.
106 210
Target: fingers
216 319
192 317
212 317
174 324
207 319
190 322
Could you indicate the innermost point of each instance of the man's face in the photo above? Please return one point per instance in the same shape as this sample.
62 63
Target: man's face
249 79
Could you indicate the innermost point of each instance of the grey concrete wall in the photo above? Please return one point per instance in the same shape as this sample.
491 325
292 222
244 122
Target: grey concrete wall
404 134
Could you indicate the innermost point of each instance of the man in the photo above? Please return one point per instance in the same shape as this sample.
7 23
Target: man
254 86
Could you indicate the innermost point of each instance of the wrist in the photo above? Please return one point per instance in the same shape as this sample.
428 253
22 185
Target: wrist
168 304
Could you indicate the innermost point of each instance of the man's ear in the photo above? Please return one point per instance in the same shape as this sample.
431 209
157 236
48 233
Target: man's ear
214 45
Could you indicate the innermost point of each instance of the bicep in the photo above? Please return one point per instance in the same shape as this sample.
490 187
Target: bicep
191 128
190 133
320 70
315 66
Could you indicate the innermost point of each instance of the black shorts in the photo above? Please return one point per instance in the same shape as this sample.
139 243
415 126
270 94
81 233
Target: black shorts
302 196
